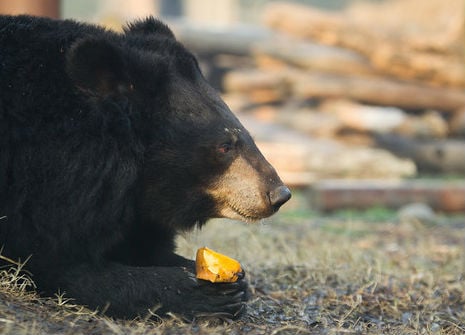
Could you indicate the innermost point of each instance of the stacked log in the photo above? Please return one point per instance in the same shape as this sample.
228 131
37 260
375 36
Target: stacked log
293 83
444 196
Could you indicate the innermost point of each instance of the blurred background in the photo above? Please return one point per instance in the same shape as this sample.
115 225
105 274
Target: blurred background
359 104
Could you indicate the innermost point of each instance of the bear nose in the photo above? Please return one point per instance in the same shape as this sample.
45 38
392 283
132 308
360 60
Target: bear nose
279 196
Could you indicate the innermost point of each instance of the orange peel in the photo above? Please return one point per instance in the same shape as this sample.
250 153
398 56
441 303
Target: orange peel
215 267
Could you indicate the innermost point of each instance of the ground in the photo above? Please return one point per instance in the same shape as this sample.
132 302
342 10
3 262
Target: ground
350 273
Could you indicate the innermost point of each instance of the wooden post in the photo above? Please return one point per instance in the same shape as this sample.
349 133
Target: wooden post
50 8
444 196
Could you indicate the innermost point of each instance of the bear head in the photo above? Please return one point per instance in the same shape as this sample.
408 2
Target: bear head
197 160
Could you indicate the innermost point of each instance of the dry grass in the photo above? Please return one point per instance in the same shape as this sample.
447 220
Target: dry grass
309 275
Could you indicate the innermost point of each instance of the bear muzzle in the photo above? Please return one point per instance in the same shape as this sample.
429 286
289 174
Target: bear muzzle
247 192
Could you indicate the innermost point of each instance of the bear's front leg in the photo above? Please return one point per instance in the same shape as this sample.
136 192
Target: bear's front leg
123 291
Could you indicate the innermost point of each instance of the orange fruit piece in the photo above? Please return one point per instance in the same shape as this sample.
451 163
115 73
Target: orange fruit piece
215 267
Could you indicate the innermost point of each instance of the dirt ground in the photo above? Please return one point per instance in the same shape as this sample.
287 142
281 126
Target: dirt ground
309 274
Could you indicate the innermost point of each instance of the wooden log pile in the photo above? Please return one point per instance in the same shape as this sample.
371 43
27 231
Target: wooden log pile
390 74
377 85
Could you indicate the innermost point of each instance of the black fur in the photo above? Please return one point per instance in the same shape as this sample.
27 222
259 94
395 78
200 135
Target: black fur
108 142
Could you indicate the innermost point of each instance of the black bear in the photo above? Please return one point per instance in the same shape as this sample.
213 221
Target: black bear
112 143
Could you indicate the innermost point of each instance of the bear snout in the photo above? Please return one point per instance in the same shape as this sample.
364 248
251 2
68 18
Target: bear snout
247 191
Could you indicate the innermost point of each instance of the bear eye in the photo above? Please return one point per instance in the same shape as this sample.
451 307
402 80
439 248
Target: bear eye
225 148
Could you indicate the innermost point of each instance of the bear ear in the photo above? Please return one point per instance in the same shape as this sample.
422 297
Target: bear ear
149 26
98 66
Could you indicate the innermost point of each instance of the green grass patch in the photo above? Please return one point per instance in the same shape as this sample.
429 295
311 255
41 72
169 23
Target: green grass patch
374 214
